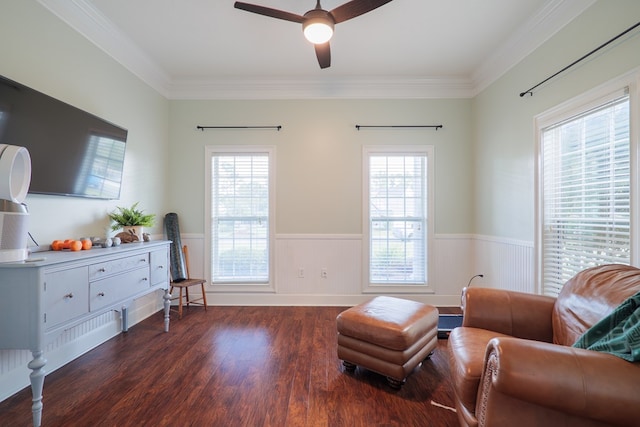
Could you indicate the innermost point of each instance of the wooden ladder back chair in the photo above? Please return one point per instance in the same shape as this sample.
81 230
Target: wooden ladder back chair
184 286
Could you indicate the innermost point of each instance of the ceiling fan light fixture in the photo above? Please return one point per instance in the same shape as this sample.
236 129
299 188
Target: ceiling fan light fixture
318 29
318 32
317 23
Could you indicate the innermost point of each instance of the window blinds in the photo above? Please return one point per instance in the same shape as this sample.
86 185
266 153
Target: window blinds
586 193
240 218
397 219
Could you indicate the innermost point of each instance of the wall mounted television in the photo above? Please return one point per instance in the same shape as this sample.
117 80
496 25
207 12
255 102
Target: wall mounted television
73 153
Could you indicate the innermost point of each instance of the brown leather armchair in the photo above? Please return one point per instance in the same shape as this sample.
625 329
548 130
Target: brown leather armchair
513 364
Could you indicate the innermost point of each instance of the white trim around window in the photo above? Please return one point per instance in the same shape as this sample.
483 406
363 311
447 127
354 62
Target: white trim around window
402 226
628 83
222 281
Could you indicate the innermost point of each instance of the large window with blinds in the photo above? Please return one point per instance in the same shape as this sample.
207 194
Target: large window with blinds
397 216
240 215
585 190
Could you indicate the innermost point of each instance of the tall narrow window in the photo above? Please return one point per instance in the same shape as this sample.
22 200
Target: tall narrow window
240 213
586 194
397 217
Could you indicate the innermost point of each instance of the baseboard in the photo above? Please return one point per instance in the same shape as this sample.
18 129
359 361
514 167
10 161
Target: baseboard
226 299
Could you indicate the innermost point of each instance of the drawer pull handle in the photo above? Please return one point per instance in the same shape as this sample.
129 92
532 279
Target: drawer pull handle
101 294
143 260
144 279
161 267
68 296
102 270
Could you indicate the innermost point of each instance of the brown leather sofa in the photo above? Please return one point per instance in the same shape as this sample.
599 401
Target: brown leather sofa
513 364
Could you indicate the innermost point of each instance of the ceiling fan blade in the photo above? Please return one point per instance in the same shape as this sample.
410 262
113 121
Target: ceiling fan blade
323 52
355 8
267 11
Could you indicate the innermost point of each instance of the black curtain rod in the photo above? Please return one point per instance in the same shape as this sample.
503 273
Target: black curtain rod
202 128
436 127
578 60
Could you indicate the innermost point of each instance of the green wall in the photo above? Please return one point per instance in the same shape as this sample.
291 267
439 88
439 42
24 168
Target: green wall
484 155
319 156
503 122
41 51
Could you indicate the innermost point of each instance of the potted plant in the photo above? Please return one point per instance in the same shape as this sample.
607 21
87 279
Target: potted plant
131 219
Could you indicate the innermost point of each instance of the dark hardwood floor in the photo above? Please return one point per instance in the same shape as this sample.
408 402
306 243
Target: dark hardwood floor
234 366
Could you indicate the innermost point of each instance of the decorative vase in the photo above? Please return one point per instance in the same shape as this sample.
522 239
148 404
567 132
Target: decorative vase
136 229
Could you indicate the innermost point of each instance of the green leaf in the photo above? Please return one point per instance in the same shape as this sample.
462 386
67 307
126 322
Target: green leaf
127 217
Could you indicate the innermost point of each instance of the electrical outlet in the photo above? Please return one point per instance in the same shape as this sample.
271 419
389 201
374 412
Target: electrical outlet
323 273
301 272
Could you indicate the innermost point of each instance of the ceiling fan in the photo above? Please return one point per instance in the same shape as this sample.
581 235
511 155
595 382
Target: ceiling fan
318 24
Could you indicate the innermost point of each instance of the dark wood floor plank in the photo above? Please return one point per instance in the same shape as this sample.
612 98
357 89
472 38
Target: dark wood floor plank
234 366
299 394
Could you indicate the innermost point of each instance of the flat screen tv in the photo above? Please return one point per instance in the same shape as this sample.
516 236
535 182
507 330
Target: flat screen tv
73 153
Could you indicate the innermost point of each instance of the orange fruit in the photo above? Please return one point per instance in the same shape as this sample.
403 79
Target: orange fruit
86 244
75 245
56 245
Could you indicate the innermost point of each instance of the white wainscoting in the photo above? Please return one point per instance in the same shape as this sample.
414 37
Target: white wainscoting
506 264
457 257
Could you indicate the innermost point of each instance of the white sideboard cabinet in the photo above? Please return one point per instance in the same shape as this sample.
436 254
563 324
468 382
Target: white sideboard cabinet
53 291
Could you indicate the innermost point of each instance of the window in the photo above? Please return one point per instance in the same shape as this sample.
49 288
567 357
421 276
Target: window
397 218
585 190
240 212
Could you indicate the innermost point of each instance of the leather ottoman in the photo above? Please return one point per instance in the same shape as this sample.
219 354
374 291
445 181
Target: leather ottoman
387 335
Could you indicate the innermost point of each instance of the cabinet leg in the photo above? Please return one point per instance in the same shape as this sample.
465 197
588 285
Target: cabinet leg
167 306
37 383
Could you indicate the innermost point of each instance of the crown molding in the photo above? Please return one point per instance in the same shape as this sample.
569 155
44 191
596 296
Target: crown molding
84 18
548 21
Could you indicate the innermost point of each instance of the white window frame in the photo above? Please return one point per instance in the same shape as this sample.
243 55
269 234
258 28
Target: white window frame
400 288
585 102
211 151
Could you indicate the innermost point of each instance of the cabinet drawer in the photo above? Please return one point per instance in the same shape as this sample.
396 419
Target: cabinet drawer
66 295
117 288
109 268
159 262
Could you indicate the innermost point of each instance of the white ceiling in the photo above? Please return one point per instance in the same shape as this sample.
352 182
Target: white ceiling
207 49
